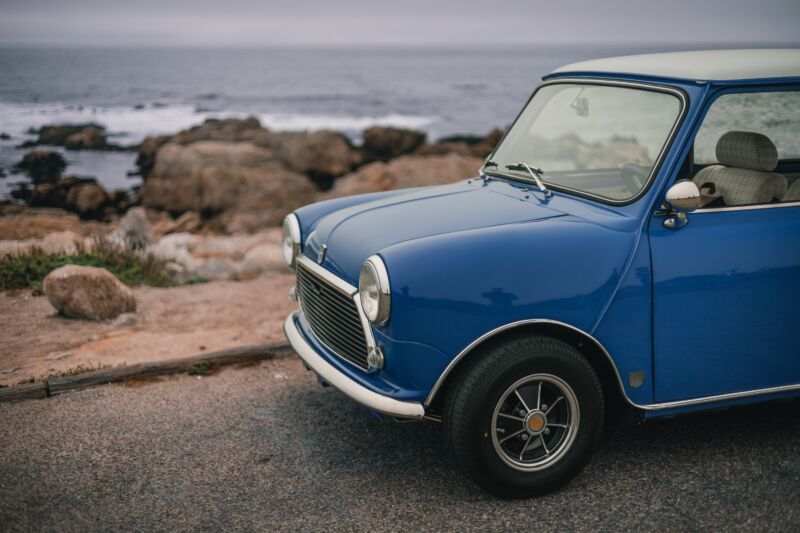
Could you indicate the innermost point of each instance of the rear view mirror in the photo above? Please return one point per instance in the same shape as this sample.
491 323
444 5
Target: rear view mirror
581 106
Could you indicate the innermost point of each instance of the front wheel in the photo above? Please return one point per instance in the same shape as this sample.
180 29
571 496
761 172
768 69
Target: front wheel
524 417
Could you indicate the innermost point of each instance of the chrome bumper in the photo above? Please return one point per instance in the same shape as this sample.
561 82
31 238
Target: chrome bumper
332 376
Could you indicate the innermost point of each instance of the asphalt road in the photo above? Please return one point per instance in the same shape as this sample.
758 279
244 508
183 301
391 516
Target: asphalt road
265 448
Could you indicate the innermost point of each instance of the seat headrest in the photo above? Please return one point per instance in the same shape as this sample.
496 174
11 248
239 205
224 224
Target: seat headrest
747 149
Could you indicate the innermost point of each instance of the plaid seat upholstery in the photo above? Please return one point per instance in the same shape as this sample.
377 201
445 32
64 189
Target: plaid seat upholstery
793 193
744 175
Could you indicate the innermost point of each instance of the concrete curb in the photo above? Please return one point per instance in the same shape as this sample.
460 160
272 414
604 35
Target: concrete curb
206 361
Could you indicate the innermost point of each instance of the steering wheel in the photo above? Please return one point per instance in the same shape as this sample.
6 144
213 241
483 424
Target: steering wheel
634 176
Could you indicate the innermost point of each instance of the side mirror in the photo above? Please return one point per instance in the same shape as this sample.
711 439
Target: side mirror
684 196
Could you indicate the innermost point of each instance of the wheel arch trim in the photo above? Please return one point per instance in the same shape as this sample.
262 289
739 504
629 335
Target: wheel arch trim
506 327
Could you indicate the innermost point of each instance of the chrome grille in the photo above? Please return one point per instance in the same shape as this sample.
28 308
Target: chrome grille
333 317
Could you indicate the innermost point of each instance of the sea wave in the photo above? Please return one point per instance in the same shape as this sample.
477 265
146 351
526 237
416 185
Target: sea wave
128 125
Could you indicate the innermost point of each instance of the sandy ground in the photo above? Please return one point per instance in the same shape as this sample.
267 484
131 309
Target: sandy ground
169 323
264 448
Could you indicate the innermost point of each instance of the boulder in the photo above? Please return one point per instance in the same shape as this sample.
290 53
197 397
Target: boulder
42 166
382 144
466 145
61 242
88 292
214 129
219 179
406 171
165 224
226 130
216 269
133 230
57 135
175 248
19 223
87 199
322 155
90 138
260 259
146 157
77 194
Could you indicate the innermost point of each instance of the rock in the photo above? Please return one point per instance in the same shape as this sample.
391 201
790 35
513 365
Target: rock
215 247
4 136
19 222
90 138
216 269
321 155
87 199
164 224
133 230
61 242
57 135
175 248
77 194
55 356
220 179
382 143
404 172
88 292
42 166
213 129
262 258
146 157
466 145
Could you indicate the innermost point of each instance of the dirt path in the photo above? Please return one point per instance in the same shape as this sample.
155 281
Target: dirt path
172 322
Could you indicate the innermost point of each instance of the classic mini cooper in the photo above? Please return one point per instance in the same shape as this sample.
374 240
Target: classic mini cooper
631 248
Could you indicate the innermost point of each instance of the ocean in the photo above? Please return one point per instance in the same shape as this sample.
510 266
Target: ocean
147 91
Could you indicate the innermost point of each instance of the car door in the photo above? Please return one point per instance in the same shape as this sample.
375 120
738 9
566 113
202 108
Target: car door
726 288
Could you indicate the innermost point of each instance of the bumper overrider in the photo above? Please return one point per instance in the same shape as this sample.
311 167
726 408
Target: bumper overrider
331 375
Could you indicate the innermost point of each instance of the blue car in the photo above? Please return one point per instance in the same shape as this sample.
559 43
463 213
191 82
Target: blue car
630 250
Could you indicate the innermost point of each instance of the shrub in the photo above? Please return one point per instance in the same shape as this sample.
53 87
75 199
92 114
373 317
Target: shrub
28 270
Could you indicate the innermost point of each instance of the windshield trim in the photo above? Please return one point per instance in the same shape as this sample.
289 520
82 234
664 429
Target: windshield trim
683 99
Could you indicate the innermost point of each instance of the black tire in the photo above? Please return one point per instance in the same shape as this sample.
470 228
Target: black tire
471 404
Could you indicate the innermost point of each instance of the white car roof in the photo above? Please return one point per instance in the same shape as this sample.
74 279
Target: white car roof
710 65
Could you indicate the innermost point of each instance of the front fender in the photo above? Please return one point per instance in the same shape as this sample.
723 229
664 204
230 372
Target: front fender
448 290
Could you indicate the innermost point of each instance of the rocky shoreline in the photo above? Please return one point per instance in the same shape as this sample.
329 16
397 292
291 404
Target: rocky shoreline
234 176
212 196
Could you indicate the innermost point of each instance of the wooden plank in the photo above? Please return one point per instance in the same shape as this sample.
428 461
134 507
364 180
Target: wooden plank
141 370
29 391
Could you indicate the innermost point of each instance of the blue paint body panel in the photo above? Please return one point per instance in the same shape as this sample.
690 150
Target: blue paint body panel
705 310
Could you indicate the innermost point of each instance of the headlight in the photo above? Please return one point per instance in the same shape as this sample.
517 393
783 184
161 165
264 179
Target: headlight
373 289
291 239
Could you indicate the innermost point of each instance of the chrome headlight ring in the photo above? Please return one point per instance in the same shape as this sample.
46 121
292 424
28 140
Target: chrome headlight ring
374 290
290 243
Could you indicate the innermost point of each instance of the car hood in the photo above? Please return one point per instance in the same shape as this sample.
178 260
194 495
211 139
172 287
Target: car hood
354 233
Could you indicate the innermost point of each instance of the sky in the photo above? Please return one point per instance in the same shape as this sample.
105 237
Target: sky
215 23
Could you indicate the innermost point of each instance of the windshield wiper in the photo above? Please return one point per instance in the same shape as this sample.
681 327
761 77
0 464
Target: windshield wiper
535 173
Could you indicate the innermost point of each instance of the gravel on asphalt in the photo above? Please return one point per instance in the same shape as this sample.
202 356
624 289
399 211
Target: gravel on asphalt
265 448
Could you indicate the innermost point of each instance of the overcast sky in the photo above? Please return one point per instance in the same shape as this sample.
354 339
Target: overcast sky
395 22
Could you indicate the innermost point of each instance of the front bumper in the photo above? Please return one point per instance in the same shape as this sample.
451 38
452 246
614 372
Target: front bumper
332 376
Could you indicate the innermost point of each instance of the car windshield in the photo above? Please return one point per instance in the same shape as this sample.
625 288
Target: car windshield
600 140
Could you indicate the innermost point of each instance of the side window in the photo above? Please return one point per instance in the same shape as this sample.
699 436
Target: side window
747 151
